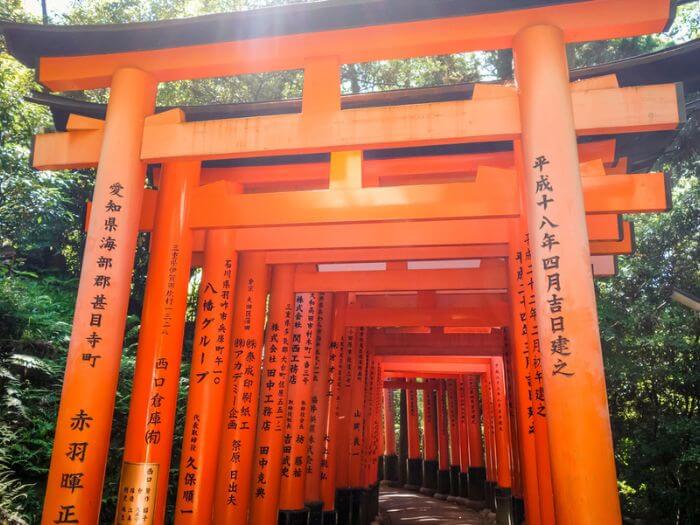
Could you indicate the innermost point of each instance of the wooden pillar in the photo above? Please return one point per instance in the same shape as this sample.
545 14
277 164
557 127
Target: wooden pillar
391 457
151 424
521 357
544 472
403 437
453 419
580 439
477 472
330 439
414 462
501 418
205 400
301 355
489 439
358 391
343 427
443 442
272 406
430 453
319 406
84 421
463 436
233 482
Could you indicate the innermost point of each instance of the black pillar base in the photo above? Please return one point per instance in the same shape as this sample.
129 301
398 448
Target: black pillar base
380 468
463 484
391 468
504 506
454 480
443 482
343 506
477 480
430 476
375 500
415 473
519 510
403 470
359 506
293 517
490 492
330 517
315 512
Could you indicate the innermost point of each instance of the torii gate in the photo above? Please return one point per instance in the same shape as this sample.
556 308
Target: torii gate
532 216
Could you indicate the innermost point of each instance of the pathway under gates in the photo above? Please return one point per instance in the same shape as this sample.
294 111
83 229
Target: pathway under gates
396 286
402 507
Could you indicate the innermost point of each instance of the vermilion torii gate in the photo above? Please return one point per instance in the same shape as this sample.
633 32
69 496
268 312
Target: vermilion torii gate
478 216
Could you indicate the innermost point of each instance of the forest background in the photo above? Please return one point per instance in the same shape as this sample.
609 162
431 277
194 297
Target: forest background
650 343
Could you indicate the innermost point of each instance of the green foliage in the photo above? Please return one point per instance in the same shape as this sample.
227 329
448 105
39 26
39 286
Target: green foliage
650 347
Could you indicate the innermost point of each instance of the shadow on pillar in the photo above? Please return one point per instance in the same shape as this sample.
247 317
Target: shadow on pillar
477 483
391 468
357 506
343 506
293 517
454 481
315 512
504 506
430 477
464 485
443 485
490 494
519 510
415 473
330 517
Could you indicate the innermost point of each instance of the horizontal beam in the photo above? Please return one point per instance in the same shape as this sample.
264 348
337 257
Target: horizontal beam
467 342
490 275
430 384
598 111
387 317
579 21
494 193
408 351
604 265
220 205
624 246
348 255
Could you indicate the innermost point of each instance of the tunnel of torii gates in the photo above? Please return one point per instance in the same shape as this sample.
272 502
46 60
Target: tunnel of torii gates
441 243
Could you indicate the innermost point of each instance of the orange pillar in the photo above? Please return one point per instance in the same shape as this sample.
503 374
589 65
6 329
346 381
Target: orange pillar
151 424
342 481
544 473
504 472
358 391
453 418
272 406
463 436
301 355
365 495
477 472
521 358
581 447
489 440
84 422
391 458
205 400
443 442
333 392
430 453
319 407
414 462
234 480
